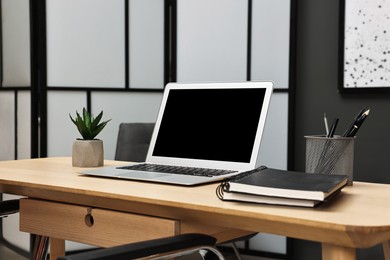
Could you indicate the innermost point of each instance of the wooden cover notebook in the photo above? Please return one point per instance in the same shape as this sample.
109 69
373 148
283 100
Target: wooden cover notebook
273 186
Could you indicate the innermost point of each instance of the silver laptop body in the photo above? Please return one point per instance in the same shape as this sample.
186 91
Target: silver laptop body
203 125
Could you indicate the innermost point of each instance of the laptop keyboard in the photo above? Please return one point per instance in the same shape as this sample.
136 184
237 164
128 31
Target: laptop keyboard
205 172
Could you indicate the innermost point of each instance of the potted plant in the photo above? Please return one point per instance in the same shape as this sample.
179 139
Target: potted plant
88 151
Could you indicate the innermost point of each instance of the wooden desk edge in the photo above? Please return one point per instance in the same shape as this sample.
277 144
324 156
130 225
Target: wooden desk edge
351 233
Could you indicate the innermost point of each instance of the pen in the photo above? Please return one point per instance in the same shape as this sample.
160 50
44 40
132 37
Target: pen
351 126
333 128
356 123
326 124
353 131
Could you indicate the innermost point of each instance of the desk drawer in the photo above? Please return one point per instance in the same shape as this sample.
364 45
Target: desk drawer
91 225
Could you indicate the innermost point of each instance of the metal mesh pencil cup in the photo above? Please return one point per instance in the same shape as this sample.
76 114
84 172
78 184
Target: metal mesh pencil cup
330 155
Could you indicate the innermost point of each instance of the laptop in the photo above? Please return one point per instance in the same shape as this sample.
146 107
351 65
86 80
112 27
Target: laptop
204 132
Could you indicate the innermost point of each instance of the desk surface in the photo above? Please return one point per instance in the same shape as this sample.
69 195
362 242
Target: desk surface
359 217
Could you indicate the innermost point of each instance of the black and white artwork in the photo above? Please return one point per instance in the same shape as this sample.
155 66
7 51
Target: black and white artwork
366 61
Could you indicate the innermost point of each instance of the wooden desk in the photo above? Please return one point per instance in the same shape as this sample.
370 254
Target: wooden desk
61 202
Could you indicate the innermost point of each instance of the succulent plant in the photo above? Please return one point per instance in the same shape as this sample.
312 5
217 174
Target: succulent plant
88 126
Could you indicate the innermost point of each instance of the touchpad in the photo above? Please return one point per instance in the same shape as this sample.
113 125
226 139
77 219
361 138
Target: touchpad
142 175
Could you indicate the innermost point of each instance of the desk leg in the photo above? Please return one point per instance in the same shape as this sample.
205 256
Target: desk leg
386 249
335 252
57 248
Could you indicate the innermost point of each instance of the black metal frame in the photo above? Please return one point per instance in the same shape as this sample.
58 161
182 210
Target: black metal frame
38 79
341 88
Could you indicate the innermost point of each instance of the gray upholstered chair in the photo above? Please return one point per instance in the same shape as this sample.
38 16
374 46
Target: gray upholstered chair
8 207
133 141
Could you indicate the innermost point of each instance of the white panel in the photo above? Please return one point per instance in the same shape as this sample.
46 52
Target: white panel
61 132
123 107
270 41
85 43
7 125
24 125
16 42
273 148
10 224
211 40
11 231
146 43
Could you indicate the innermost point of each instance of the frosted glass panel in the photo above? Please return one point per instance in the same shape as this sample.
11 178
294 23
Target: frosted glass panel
61 132
146 43
211 40
7 125
11 228
273 148
271 41
123 107
16 42
85 43
24 125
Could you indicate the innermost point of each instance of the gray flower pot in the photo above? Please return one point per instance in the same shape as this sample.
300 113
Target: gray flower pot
87 153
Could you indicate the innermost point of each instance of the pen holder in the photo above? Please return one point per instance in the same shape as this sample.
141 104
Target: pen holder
330 155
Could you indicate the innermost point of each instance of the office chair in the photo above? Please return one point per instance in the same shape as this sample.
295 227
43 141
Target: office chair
8 207
133 141
162 248
132 145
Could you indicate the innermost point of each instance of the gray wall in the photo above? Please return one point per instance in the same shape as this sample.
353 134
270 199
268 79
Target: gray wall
316 93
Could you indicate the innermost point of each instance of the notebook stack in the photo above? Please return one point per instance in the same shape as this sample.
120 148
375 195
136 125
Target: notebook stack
280 187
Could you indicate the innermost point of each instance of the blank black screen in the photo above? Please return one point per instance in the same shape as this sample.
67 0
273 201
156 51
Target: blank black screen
210 124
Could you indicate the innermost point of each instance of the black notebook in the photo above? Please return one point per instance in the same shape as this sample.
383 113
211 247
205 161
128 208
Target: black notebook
273 186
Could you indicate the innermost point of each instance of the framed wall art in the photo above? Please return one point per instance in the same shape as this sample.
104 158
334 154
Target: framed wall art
365 45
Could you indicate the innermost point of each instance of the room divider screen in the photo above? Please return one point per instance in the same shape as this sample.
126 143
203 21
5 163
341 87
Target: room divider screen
59 56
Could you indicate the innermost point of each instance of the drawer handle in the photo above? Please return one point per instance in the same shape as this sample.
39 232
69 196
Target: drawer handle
89 218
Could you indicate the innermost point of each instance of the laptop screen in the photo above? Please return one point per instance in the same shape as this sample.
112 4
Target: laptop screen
210 124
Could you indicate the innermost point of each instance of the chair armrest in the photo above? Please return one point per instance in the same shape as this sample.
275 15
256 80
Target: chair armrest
9 207
145 248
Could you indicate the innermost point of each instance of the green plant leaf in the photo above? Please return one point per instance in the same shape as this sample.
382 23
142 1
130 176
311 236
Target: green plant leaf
87 125
96 121
87 118
99 128
82 127
74 121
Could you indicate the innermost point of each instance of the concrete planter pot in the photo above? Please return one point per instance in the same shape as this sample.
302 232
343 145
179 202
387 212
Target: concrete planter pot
87 153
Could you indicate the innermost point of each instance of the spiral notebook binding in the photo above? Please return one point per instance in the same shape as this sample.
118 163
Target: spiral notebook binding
224 186
219 190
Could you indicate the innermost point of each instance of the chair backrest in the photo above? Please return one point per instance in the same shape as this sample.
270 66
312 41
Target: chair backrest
133 141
